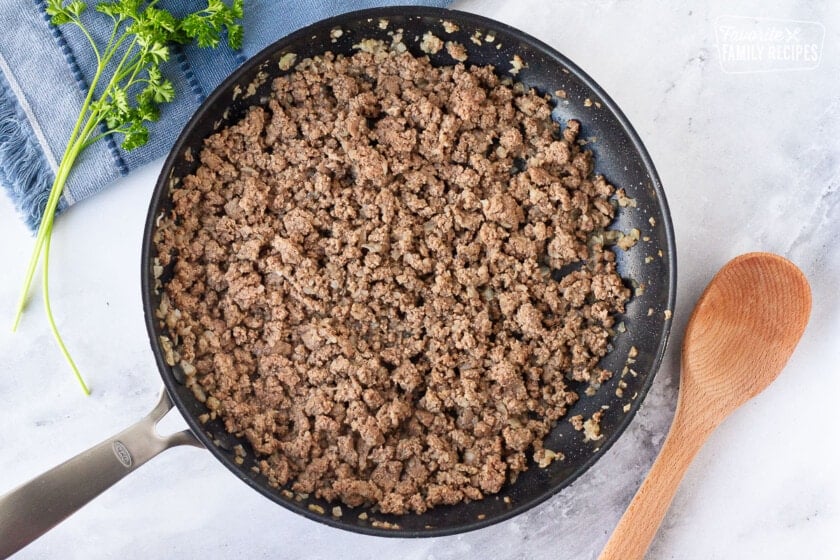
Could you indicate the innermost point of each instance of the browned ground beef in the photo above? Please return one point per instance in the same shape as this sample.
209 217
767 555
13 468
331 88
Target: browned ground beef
361 279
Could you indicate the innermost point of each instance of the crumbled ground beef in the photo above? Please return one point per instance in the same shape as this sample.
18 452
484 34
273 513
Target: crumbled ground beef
362 279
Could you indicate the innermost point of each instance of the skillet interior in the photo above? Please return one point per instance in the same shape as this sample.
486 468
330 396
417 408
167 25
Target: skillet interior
619 156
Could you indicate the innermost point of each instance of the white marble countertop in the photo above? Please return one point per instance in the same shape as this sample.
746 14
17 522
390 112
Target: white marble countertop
750 161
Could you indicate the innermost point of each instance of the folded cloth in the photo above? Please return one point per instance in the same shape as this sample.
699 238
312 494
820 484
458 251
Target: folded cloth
45 70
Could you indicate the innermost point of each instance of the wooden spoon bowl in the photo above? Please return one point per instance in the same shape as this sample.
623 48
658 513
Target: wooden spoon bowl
739 338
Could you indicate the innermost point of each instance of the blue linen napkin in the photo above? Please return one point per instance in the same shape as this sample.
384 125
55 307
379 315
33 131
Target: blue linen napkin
44 72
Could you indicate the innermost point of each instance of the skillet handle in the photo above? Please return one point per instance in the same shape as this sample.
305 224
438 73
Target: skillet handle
32 509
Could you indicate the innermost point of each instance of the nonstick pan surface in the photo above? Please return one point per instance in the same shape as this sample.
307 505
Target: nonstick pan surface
619 156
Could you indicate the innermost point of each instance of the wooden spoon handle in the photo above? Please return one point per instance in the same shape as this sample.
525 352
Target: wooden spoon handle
638 525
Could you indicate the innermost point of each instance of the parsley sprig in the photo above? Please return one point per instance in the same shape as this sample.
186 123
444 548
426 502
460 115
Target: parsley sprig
125 94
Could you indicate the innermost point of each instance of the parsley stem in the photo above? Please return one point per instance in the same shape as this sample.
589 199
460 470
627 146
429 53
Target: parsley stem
129 67
52 201
71 157
51 319
117 23
46 221
84 30
115 78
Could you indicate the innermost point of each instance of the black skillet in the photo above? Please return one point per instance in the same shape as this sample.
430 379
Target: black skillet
32 509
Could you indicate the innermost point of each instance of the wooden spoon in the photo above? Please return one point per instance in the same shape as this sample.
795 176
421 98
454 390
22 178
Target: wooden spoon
740 336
